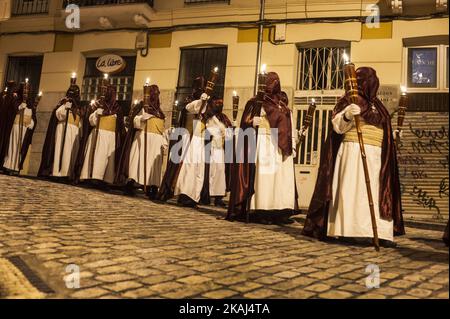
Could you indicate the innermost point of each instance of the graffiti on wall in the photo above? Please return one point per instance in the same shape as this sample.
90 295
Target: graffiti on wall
423 164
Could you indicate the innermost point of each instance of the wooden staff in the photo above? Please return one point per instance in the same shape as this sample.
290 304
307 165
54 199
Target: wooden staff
73 81
26 92
403 105
307 121
351 89
209 89
146 103
103 88
261 93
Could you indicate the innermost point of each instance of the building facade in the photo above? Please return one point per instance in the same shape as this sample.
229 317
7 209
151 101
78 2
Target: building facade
171 41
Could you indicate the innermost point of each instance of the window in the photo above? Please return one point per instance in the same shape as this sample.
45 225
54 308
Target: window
22 67
200 62
27 7
427 68
122 80
89 3
321 68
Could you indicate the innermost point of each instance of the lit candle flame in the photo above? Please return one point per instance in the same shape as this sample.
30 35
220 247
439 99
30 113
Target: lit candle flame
26 80
136 101
74 75
40 93
263 68
216 69
147 81
234 93
176 102
403 89
92 102
346 58
313 101
105 76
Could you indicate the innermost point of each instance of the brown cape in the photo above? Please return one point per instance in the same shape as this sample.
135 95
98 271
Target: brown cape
243 172
48 150
373 112
110 107
124 162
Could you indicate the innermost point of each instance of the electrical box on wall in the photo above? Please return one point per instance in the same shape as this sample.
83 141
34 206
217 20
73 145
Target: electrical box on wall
141 41
280 32
5 9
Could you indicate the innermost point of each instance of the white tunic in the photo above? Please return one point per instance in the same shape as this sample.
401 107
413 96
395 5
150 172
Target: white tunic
192 172
71 143
349 214
217 179
156 144
275 175
12 157
104 160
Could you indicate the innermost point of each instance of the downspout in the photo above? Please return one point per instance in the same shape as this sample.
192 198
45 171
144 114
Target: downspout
260 43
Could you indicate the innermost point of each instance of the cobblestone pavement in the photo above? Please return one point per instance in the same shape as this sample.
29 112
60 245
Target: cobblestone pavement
133 248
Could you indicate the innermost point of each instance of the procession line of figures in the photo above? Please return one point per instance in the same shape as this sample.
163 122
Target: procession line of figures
100 144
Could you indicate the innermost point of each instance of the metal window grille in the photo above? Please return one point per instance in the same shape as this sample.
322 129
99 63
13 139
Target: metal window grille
205 1
21 67
200 62
309 151
28 7
123 82
89 3
321 68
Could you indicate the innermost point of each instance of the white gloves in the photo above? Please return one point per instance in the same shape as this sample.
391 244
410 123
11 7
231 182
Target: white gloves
398 133
99 111
351 111
145 116
256 121
22 106
204 97
67 105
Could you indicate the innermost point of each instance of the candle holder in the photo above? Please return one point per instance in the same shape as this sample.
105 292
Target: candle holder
308 120
402 107
73 79
212 81
235 106
350 83
175 115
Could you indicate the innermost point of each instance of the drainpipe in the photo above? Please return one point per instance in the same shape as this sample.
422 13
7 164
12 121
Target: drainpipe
260 43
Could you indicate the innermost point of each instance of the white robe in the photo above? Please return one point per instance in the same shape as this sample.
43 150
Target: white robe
104 158
275 175
217 179
349 214
71 143
156 144
192 172
12 156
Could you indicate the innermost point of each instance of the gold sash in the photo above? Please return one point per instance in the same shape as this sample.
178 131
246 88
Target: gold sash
199 128
264 127
108 123
155 125
372 135
26 120
73 121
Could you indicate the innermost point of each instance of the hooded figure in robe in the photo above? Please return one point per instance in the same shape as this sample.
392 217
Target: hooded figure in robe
9 103
340 207
107 132
146 126
218 127
185 120
19 150
263 179
63 135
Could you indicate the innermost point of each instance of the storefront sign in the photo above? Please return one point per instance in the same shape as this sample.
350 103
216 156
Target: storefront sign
110 63
389 95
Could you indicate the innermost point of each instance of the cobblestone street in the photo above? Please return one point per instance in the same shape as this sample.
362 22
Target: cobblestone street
133 248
